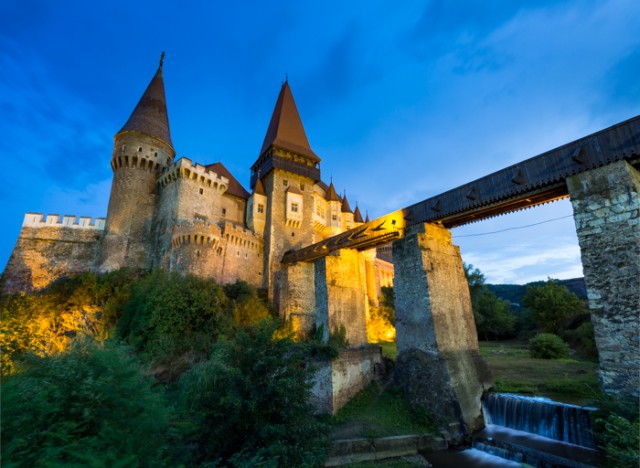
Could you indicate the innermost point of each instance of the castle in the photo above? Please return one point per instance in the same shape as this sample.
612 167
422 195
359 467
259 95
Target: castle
183 216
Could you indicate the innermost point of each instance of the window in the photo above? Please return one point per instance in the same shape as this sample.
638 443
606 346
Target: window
260 208
285 182
224 211
294 207
139 149
124 147
302 187
201 191
334 217
155 154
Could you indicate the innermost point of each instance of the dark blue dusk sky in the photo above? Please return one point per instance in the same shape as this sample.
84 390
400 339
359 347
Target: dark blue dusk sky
401 100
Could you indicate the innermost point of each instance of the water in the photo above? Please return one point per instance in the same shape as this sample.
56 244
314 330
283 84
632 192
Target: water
531 430
559 421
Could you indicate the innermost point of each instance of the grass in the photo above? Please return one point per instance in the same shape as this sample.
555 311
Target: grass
568 380
375 412
389 349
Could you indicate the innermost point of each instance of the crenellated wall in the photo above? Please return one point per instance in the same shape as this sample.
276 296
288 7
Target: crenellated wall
51 247
226 253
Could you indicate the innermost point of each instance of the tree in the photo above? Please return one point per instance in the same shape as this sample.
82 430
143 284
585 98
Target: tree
90 406
551 304
251 397
493 320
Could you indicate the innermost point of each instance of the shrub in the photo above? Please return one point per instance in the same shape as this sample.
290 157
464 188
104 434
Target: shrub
251 398
620 441
548 346
170 315
90 406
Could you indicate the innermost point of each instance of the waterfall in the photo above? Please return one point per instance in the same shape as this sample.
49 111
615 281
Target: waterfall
542 416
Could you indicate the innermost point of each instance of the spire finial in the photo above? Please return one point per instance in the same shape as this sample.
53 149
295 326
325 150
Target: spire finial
161 58
286 77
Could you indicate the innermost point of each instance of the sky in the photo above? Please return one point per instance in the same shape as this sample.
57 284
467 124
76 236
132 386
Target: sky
402 101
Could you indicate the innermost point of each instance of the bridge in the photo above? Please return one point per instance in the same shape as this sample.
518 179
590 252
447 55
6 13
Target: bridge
537 180
439 366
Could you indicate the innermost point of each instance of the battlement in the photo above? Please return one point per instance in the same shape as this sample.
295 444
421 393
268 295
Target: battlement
39 220
237 235
197 232
184 168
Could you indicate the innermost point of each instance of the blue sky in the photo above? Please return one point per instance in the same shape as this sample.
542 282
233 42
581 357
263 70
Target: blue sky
401 101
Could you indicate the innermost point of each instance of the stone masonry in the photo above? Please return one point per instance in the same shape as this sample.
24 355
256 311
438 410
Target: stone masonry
605 205
439 365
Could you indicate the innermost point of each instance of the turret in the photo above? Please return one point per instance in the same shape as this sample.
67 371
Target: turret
142 149
347 214
288 168
257 209
335 210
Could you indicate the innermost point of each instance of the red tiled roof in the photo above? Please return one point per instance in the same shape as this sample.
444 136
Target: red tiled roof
331 193
234 188
285 128
259 188
357 216
345 205
150 115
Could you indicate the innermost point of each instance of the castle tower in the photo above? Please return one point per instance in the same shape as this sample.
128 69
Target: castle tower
347 214
335 210
142 149
288 169
257 209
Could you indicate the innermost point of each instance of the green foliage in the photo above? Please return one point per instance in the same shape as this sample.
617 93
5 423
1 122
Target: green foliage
582 339
48 321
548 346
620 440
387 307
338 337
247 307
492 316
169 315
251 397
90 406
551 304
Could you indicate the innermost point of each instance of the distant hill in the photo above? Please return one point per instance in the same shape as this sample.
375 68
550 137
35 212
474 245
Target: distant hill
515 292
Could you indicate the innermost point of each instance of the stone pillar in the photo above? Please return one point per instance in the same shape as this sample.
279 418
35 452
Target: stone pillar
341 294
605 209
372 291
297 297
439 365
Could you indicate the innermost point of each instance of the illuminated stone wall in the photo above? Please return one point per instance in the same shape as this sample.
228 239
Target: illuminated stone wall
439 365
337 381
340 287
605 206
49 248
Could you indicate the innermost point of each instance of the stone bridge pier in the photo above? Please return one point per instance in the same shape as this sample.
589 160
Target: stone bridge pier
439 365
605 206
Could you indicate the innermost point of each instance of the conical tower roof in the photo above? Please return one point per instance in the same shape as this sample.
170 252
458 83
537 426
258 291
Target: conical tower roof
259 188
345 205
150 115
357 216
331 193
285 128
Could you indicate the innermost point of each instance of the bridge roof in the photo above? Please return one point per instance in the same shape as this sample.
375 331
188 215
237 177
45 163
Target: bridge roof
537 180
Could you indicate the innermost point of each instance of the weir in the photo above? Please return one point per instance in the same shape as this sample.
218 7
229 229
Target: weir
547 418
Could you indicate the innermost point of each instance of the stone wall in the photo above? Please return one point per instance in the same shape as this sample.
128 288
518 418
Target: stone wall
280 236
49 248
337 381
605 205
340 287
137 160
435 329
298 297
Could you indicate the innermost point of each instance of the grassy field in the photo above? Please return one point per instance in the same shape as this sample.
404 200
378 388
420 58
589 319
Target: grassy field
378 412
568 380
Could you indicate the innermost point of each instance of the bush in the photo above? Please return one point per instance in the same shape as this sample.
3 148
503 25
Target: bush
48 321
91 406
620 441
251 398
548 346
170 315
